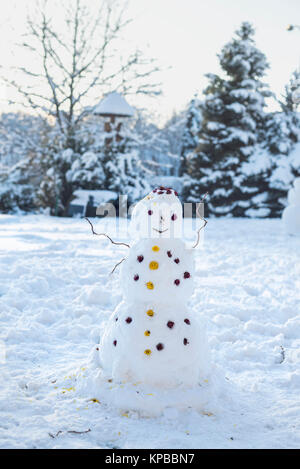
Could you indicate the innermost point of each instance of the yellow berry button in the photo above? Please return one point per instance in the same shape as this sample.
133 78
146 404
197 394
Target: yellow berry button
147 333
150 285
155 248
153 265
147 352
150 312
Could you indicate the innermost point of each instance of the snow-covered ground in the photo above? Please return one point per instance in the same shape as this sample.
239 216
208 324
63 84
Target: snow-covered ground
56 292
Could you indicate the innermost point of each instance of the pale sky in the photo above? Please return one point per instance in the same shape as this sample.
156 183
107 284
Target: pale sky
185 36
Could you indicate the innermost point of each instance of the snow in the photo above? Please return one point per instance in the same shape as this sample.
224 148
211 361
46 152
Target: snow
56 295
236 107
215 126
114 103
258 162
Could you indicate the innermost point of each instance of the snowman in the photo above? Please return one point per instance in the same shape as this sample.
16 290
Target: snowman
291 214
153 337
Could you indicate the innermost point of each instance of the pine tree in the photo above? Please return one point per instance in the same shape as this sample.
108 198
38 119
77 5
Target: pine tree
21 138
274 165
289 106
283 133
288 102
70 164
191 132
121 164
17 190
232 125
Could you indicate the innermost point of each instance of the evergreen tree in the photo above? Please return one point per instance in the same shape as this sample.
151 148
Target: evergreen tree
233 122
273 166
288 102
21 139
16 189
122 165
190 136
283 133
290 106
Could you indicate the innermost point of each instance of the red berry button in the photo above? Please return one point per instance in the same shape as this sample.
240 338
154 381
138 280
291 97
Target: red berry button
170 324
129 320
174 217
185 342
140 258
186 275
176 260
177 282
115 343
169 253
160 346
136 277
187 321
150 212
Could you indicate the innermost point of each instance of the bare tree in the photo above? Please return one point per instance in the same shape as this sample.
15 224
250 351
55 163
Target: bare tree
77 57
73 54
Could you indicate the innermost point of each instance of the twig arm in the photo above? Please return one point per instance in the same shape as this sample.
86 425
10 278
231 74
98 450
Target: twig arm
204 224
198 233
104 234
117 265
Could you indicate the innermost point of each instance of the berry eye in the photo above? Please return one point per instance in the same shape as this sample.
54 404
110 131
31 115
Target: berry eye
150 212
174 217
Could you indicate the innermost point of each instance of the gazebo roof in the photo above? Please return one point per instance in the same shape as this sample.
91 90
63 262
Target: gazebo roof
114 104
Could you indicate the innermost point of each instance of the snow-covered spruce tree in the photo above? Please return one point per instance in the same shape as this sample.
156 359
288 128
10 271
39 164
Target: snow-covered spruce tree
69 165
86 170
121 163
160 147
233 123
152 144
20 136
272 167
282 138
290 108
190 139
21 139
17 189
56 188
288 102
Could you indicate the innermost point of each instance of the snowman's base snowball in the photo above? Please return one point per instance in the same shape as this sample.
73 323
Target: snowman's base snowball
291 220
156 344
149 401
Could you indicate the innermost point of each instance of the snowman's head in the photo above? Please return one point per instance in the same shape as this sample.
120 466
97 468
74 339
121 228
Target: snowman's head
158 215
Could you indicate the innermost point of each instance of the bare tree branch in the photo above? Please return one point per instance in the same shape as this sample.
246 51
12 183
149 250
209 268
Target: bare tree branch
79 61
74 432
